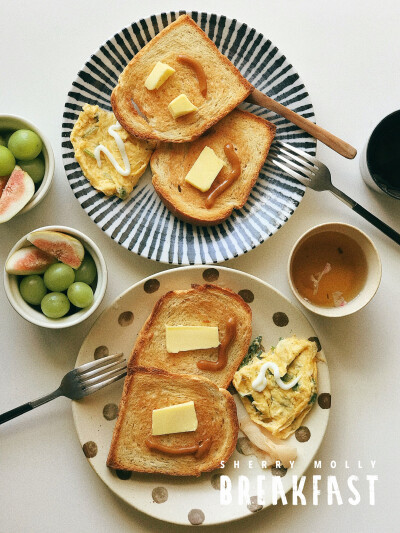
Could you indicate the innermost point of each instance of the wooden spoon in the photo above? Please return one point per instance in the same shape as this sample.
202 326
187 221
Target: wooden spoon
341 147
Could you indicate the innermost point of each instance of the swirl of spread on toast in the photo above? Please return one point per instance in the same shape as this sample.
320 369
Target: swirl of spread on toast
198 70
222 349
198 450
218 188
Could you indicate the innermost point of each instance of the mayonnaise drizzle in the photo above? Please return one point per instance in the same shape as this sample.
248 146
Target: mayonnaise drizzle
260 382
121 147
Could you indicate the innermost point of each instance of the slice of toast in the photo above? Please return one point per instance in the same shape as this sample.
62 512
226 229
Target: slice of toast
251 137
146 389
226 87
203 305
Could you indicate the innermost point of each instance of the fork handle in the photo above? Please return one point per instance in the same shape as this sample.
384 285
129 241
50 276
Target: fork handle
17 411
375 221
387 230
5 417
340 146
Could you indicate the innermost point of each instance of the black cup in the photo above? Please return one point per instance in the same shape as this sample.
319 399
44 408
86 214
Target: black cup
380 161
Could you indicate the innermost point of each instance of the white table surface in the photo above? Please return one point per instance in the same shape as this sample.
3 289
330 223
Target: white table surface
348 54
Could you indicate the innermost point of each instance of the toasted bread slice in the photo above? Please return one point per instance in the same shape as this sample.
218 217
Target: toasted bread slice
203 305
146 389
251 137
226 87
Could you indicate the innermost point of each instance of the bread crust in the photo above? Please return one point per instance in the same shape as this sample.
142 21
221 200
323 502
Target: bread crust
188 128
170 166
128 451
207 304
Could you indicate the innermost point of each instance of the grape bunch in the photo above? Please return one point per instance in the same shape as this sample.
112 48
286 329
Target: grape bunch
59 287
22 147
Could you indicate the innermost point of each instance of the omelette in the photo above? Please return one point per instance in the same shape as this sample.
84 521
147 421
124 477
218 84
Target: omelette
91 130
278 410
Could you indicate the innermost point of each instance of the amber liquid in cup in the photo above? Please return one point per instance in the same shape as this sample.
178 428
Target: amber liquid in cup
329 269
383 154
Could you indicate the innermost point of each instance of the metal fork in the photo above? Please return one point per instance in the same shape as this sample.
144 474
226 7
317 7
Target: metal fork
78 383
314 174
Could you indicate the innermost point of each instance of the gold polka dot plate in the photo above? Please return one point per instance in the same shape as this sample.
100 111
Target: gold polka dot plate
195 501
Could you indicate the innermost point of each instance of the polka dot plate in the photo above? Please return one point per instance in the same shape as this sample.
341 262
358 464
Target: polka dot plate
142 223
193 500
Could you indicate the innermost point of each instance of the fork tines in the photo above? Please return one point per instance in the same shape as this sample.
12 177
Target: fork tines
102 380
97 374
293 161
100 370
99 364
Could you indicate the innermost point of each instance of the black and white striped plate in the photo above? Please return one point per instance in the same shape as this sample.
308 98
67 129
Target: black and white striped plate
142 223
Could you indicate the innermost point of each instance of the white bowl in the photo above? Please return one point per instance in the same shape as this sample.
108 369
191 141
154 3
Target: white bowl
374 270
38 318
13 122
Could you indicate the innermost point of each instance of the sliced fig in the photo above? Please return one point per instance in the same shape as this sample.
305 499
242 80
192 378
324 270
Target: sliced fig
29 260
17 193
65 248
3 183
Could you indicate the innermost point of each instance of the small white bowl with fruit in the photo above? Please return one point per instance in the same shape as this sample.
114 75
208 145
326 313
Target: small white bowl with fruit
55 277
26 166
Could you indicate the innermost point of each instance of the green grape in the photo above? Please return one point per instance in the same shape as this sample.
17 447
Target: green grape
59 277
35 168
32 289
25 144
87 271
3 141
55 305
7 161
80 294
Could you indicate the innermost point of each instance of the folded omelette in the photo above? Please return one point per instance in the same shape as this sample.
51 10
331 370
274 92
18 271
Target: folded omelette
280 411
91 130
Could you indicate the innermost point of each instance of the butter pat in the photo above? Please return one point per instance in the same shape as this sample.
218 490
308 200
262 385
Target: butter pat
181 105
179 418
160 73
183 338
205 169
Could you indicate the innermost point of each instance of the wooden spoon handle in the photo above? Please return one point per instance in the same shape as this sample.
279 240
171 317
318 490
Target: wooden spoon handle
341 147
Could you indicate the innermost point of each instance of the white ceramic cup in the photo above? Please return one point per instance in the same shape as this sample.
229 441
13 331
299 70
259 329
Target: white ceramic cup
38 318
13 122
374 270
369 156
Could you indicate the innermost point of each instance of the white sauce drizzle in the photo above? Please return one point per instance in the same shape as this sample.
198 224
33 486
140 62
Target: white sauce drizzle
260 382
121 147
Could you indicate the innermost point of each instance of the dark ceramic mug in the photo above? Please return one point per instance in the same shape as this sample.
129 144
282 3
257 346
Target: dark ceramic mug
380 159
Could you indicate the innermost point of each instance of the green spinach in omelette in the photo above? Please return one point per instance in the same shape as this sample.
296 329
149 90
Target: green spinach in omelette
280 411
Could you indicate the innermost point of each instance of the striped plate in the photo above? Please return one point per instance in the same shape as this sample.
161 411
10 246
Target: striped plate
142 223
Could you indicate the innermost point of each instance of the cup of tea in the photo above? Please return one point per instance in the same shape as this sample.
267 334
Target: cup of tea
380 158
